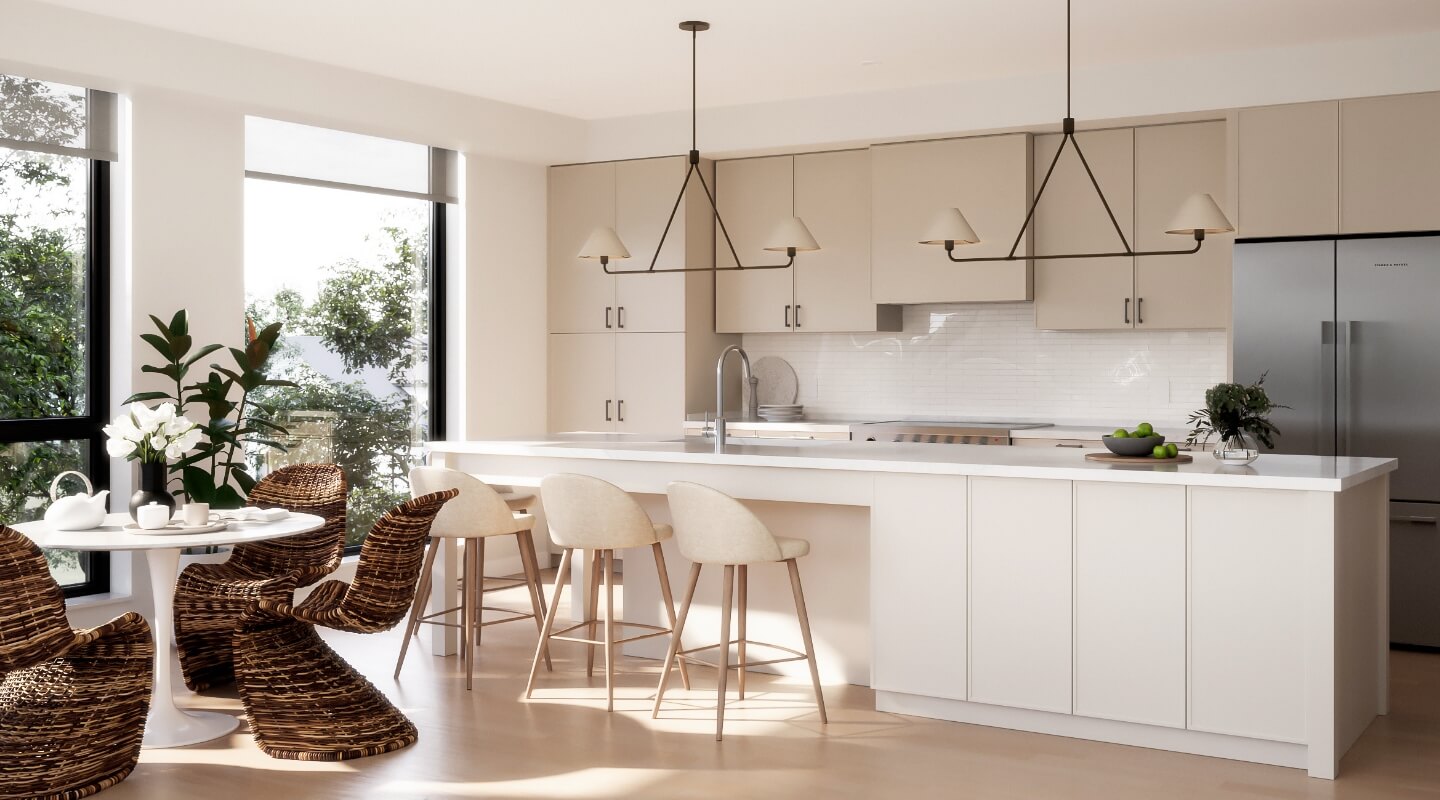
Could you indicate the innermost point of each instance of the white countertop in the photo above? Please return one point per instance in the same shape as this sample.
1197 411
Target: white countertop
1270 471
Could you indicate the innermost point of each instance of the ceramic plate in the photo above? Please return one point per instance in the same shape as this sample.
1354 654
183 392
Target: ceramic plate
778 385
176 529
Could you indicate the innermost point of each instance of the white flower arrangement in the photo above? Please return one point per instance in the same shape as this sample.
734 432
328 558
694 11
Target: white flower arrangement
151 435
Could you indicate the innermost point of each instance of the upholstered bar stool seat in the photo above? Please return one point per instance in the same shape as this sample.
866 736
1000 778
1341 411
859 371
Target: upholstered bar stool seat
588 513
714 528
477 514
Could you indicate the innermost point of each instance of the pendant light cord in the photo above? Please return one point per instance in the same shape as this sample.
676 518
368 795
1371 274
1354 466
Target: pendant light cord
694 37
1067 58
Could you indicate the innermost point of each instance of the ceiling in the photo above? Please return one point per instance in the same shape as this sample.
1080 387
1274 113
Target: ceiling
596 59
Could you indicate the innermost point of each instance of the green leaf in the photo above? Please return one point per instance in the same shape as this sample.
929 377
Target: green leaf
181 345
279 382
141 397
164 329
201 353
180 323
199 485
169 370
226 498
241 477
159 343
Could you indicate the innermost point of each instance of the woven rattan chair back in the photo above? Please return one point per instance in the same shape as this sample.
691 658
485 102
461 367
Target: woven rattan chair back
385 578
318 489
32 608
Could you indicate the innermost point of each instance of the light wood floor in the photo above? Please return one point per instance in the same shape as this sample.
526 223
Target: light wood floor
488 743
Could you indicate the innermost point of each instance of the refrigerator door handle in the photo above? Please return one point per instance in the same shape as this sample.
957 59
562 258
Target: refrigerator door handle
1344 393
1329 445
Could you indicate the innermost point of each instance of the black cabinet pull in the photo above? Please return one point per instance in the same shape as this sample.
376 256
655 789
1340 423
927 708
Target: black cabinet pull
620 317
797 317
1127 312
607 411
1139 311
787 316
607 318
620 411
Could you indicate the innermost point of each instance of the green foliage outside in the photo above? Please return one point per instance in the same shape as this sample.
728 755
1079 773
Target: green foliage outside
367 315
42 296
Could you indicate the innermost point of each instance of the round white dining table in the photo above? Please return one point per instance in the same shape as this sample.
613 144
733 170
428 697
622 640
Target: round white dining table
167 725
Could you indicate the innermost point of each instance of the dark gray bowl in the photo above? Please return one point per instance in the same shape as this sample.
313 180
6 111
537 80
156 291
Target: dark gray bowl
1133 446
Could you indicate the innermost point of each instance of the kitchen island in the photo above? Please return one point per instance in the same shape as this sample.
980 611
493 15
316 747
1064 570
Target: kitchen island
1232 612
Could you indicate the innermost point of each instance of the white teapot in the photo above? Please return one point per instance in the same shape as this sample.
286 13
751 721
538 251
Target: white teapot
76 512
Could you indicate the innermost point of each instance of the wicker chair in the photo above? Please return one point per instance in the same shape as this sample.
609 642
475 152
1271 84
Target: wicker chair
209 598
304 701
72 703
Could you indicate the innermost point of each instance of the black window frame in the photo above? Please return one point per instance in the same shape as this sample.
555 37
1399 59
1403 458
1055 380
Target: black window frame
86 428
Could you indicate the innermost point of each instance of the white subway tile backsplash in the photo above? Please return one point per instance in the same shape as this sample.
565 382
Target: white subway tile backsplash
988 360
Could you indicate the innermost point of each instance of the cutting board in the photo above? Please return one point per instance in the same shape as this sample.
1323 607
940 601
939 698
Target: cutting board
1111 458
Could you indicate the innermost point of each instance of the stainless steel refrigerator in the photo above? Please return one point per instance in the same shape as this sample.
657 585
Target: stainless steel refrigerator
1348 333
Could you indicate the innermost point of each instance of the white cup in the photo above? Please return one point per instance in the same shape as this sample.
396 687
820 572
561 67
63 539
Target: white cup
197 515
153 516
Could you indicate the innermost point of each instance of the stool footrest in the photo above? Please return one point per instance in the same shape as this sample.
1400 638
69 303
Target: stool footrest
655 630
429 619
796 655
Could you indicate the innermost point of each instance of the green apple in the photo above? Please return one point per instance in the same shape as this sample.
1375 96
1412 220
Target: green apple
1160 451
1171 451
1121 433
1144 429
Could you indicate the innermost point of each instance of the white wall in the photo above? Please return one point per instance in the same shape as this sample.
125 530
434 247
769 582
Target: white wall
1224 80
987 361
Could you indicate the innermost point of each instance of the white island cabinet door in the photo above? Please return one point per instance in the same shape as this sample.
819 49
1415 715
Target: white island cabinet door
917 585
1020 599
1248 612
1130 602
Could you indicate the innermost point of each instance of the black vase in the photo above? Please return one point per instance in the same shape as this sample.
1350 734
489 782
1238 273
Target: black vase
154 488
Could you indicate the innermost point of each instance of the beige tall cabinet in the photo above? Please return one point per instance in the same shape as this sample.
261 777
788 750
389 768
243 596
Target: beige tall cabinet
1288 171
1390 164
986 177
1146 173
827 291
628 353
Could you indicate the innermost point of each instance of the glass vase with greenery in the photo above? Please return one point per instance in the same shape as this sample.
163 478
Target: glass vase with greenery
1238 414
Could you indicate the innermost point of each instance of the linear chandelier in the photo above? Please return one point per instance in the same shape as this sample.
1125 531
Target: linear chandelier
1197 216
790 237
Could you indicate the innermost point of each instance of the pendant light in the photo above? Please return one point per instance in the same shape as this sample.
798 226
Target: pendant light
1198 215
790 236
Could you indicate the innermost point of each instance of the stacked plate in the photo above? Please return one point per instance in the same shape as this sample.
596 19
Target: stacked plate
782 413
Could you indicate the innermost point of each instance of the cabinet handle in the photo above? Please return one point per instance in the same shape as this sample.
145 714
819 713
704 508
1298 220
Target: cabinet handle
1127 312
607 411
797 317
620 317
1414 520
787 316
607 318
1139 311
1062 444
620 411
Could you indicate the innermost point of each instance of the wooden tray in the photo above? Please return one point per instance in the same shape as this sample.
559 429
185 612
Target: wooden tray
1111 458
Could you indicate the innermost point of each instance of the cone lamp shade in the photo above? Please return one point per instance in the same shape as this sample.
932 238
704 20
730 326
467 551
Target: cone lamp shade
792 235
950 226
604 243
1199 212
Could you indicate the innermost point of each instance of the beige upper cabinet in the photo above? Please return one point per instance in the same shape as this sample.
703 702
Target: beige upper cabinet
832 284
1289 173
1182 291
644 195
754 195
1389 164
987 178
581 295
1085 293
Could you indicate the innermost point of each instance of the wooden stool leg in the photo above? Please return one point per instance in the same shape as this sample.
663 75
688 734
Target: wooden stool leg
672 655
417 608
464 653
727 592
592 612
525 543
469 601
609 630
804 618
740 618
477 619
561 575
669 604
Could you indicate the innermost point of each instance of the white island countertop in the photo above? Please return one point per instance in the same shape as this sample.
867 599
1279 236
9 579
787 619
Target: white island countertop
1270 471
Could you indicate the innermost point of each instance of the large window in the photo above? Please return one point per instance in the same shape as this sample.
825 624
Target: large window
344 245
54 169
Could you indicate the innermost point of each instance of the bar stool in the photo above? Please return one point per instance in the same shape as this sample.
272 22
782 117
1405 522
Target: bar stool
588 513
476 514
713 528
